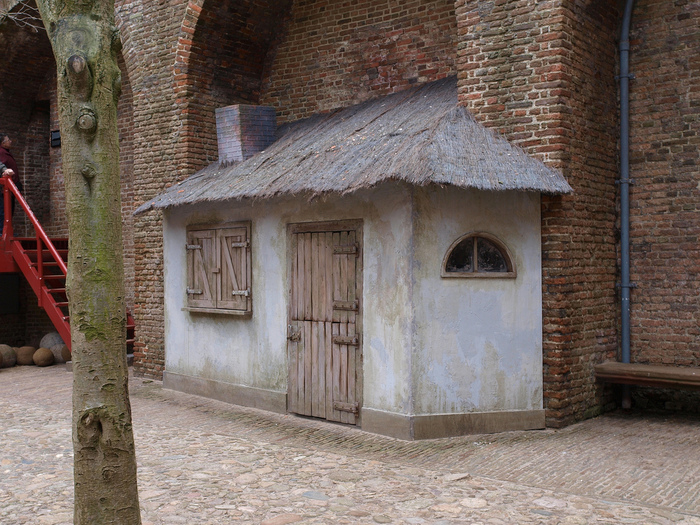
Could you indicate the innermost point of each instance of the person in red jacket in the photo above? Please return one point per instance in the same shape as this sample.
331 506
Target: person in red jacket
8 168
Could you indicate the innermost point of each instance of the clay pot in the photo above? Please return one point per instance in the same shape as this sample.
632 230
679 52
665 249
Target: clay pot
43 357
9 356
25 355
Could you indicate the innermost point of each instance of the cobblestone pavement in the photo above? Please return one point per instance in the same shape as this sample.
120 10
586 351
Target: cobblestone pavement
205 462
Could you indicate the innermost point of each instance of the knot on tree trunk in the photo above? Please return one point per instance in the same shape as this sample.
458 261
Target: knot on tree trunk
90 428
80 76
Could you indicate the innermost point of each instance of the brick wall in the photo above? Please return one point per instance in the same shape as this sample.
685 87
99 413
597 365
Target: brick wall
34 161
150 35
11 325
58 224
125 122
336 54
223 65
34 171
29 109
23 105
187 59
542 73
665 199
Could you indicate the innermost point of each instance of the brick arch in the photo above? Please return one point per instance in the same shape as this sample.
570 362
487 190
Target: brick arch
222 51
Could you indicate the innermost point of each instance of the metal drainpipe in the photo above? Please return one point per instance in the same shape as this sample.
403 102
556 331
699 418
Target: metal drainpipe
624 182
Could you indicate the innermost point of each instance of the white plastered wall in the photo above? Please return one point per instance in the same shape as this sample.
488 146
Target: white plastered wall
478 342
251 352
431 345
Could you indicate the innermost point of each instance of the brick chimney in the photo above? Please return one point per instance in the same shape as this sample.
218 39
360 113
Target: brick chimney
244 130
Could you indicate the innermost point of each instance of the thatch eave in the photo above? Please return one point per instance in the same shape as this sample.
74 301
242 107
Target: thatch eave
420 136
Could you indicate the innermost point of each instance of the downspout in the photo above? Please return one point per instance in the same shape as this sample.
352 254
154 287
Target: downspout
624 183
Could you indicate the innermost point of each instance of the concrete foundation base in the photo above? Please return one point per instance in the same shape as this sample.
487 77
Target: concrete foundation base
228 392
448 425
375 421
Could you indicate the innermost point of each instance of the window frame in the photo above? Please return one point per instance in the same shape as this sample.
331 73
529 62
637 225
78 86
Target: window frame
222 271
475 273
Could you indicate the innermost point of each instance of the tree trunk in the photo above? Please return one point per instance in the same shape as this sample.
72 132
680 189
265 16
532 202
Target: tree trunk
85 43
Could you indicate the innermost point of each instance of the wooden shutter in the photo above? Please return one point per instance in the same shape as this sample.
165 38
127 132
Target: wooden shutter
234 286
201 268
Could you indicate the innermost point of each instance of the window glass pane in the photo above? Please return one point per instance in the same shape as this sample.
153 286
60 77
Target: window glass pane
490 257
460 260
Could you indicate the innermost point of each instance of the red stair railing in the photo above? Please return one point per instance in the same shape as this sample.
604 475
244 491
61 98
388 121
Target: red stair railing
38 272
8 234
35 271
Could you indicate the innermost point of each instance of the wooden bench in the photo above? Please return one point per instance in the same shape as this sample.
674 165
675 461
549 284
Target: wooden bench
649 375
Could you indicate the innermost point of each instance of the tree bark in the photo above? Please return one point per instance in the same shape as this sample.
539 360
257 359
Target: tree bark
85 44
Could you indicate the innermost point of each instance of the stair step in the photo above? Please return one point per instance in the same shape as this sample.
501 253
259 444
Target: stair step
45 263
31 241
46 253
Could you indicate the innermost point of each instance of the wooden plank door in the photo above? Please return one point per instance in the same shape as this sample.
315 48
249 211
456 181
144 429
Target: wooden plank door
324 332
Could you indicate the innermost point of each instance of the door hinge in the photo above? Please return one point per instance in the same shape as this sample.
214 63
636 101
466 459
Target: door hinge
244 293
349 340
243 244
346 407
345 249
193 246
346 305
192 291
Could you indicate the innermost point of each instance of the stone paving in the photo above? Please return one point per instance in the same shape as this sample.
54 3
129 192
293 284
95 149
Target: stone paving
205 462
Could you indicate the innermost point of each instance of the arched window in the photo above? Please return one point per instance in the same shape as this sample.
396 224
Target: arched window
478 255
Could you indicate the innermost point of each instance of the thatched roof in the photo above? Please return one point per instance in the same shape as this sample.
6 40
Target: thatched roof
420 136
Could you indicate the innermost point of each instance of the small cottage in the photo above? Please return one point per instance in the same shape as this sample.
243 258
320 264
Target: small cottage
378 266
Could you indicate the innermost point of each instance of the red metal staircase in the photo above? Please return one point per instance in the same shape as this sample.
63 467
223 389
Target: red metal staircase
42 261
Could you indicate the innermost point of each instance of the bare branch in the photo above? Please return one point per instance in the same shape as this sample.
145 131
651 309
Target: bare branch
23 14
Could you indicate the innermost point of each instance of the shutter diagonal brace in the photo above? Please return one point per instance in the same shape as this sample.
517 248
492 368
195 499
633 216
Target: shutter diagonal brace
234 278
203 274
